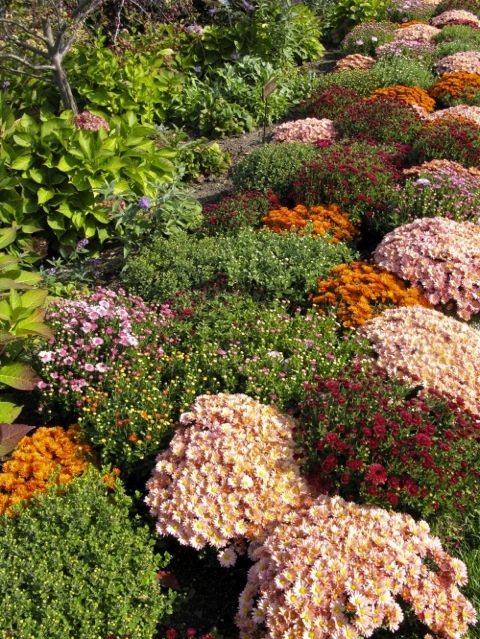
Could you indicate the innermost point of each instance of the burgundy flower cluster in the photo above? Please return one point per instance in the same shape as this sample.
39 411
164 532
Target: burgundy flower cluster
372 440
330 102
245 208
90 122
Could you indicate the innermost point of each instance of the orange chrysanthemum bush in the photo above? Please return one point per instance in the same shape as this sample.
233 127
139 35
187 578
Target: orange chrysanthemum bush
50 455
359 291
228 475
340 570
321 220
410 95
460 87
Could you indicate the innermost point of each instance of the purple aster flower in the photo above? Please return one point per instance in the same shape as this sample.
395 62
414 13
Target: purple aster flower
82 243
197 69
247 5
235 56
144 202
5 84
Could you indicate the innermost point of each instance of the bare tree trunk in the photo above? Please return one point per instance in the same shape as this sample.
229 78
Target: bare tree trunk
61 80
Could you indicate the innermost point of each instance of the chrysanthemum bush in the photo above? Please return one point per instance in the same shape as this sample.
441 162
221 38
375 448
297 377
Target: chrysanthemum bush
321 220
387 118
75 563
456 88
419 32
366 36
405 10
306 130
329 102
410 95
440 257
354 61
456 16
453 138
358 176
359 290
424 346
450 5
93 332
415 49
244 208
49 456
462 61
462 112
365 440
342 570
439 188
229 474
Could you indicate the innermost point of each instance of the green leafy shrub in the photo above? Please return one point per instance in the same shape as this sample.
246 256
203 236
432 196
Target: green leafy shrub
22 311
272 166
139 80
446 48
163 267
408 72
464 5
362 81
59 163
348 13
73 564
367 36
220 118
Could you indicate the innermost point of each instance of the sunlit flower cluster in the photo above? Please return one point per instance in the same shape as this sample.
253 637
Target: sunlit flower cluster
307 130
424 346
406 47
354 61
462 61
410 95
229 474
443 166
339 570
359 290
419 32
90 122
460 86
463 111
456 16
50 455
439 256
321 220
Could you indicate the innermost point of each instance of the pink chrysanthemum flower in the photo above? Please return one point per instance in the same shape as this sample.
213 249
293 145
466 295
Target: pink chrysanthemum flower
90 122
229 474
339 570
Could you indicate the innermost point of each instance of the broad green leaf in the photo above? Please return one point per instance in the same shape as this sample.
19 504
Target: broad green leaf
22 139
5 311
43 195
56 221
87 145
8 413
7 236
22 162
19 376
37 175
26 327
26 278
34 298
11 434
67 163
7 261
14 299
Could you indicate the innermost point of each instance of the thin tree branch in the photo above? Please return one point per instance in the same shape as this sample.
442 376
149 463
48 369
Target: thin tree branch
19 25
30 65
24 45
30 75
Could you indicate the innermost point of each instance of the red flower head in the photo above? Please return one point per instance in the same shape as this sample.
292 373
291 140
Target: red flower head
376 474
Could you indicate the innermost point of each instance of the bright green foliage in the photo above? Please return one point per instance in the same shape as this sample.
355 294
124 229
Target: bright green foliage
272 166
52 170
74 565
141 83
347 13
405 71
22 309
264 264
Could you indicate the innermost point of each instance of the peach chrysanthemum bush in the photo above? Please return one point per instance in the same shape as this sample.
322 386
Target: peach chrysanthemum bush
339 571
416 31
323 220
358 291
228 475
456 16
424 346
462 61
439 256
306 130
461 111
50 455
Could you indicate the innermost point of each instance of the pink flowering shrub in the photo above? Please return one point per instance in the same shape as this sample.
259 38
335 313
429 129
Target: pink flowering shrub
439 256
456 16
423 346
339 570
90 122
471 113
229 474
462 61
307 130
418 32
